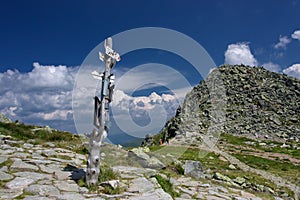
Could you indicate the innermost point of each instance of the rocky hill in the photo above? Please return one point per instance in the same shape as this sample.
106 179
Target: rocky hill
254 102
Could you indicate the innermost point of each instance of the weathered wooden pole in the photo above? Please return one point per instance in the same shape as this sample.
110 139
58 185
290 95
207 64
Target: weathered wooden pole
101 112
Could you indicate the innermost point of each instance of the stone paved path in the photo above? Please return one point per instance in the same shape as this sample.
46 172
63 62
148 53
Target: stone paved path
32 172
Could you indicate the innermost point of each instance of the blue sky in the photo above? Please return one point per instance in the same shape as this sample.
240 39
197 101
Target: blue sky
39 38
63 32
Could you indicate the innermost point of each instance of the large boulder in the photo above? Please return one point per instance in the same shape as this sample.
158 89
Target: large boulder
144 159
193 169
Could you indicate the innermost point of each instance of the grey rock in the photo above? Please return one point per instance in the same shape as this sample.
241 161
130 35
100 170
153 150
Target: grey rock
4 176
27 146
2 159
19 183
66 186
232 167
211 197
222 177
157 194
21 155
33 175
239 180
49 144
140 185
10 194
37 198
43 190
48 152
193 169
144 159
112 183
186 191
133 172
70 196
19 165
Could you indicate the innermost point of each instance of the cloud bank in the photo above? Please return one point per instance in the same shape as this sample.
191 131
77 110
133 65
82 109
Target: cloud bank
43 96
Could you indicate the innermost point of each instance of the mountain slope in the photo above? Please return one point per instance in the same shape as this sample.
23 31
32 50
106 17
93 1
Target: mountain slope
254 102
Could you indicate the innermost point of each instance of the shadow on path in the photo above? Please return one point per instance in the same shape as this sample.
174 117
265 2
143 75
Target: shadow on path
76 173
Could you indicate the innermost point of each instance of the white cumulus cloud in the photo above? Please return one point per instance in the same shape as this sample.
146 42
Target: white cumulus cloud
239 53
272 67
43 94
283 42
296 35
293 70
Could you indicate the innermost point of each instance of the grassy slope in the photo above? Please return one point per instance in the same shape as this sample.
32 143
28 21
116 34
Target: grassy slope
59 138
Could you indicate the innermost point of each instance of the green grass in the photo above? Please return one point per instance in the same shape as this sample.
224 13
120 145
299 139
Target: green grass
109 190
240 140
107 174
281 168
166 185
211 161
236 140
59 138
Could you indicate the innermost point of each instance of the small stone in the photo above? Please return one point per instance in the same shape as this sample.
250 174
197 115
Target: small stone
112 183
239 180
49 144
223 159
27 146
232 167
102 154
206 185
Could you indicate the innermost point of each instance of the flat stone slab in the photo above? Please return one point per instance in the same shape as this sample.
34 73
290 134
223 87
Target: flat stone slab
3 159
134 171
141 185
5 177
43 190
19 183
37 198
19 165
33 175
158 194
65 186
10 194
70 196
